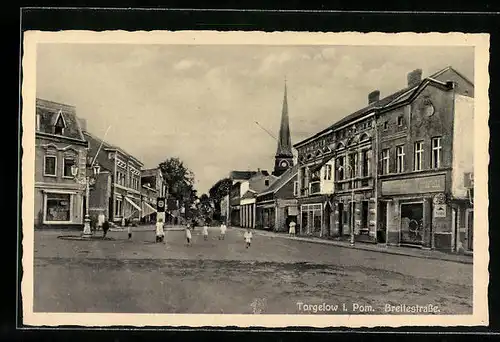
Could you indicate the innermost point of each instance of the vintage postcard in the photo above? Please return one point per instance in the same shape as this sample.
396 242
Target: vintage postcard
252 179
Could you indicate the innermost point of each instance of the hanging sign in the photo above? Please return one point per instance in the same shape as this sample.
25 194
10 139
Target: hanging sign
439 210
160 204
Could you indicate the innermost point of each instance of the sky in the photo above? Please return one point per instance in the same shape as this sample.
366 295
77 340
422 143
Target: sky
200 102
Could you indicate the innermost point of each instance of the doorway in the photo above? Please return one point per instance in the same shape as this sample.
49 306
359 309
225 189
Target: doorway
382 223
341 218
412 223
470 228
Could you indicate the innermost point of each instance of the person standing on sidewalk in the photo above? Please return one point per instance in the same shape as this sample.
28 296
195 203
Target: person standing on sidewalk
291 231
100 221
222 231
205 232
248 238
188 236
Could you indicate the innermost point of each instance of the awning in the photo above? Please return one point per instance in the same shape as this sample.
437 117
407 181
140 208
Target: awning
293 211
147 209
132 203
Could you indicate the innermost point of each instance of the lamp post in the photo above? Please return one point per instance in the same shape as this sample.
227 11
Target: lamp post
351 242
87 181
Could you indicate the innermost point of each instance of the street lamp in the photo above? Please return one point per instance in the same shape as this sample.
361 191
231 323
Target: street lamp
87 181
352 202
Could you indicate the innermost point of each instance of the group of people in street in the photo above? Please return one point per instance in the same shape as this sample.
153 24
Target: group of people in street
222 234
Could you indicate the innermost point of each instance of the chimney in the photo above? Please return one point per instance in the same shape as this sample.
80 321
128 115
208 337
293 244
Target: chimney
414 77
374 96
83 124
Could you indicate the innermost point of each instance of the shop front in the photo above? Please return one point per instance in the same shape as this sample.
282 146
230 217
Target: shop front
315 216
266 216
417 212
355 214
59 208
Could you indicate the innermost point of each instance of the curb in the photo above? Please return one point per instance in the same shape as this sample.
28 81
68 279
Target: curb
362 247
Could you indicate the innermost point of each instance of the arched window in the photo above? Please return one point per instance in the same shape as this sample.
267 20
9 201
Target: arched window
364 137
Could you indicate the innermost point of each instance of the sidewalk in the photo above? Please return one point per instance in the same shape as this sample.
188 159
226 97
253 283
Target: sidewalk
407 251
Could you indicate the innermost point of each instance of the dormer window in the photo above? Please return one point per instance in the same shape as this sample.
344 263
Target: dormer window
60 125
266 182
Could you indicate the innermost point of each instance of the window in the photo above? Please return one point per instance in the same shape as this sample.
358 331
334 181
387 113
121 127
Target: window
58 208
400 120
436 153
400 154
68 163
328 172
340 168
59 126
295 188
385 161
118 207
419 151
37 123
266 182
353 162
366 156
386 125
50 166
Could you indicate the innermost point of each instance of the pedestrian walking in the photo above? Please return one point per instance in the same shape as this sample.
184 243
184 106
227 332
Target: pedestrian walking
188 236
129 230
100 221
160 234
248 238
105 228
205 232
222 231
291 231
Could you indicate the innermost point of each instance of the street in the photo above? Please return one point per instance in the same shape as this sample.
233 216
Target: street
274 276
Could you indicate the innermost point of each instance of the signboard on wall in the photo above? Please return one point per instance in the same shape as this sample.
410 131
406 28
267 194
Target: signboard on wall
413 185
440 210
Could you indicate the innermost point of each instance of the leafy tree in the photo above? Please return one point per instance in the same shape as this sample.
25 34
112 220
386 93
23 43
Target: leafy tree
217 193
180 180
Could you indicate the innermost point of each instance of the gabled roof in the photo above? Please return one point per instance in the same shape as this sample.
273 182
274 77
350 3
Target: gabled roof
388 100
282 180
49 112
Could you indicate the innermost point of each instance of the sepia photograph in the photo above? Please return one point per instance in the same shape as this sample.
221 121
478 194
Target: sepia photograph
255 179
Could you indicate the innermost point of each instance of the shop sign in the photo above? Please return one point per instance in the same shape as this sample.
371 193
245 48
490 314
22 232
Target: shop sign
417 185
440 210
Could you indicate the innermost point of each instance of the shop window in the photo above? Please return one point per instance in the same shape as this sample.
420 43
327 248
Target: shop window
50 163
58 208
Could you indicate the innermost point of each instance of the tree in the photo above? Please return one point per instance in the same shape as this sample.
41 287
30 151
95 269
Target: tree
217 193
179 181
205 207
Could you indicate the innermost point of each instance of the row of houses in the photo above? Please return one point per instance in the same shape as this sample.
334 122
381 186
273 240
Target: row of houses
398 171
67 153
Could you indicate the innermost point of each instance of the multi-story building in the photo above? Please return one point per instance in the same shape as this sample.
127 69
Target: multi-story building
121 198
59 145
238 188
397 167
248 194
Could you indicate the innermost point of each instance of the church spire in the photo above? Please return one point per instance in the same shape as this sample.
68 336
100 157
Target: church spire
284 140
284 156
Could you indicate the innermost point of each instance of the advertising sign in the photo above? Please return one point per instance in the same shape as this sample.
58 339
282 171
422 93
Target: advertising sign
160 204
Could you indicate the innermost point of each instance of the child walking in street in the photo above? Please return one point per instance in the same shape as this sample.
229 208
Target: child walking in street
205 232
248 238
222 231
105 228
188 236
129 230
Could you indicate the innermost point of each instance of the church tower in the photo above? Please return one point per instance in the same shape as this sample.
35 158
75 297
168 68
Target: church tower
284 156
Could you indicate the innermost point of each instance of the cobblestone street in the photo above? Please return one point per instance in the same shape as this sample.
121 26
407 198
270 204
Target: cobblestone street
275 275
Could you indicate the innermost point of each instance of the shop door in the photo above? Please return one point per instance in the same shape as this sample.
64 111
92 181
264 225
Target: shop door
382 223
470 229
341 218
304 228
412 224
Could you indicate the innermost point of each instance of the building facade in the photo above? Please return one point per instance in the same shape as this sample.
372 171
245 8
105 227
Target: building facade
152 186
59 144
121 199
401 172
249 189
276 206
